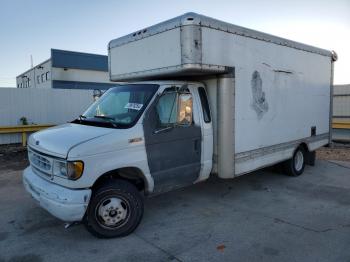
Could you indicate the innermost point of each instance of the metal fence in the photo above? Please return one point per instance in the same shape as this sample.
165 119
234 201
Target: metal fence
40 106
57 106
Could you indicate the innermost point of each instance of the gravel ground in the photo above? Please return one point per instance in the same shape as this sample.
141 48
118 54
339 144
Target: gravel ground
339 152
13 157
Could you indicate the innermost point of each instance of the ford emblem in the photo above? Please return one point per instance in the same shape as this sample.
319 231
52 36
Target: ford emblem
37 142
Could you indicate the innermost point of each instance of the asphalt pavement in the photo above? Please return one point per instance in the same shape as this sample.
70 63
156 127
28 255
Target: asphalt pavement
263 216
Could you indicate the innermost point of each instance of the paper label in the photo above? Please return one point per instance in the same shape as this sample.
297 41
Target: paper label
134 106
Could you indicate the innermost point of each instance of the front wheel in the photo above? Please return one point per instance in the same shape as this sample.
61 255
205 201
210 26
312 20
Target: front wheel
115 210
295 166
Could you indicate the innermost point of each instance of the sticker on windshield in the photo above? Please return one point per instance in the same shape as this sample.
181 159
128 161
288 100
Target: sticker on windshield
134 106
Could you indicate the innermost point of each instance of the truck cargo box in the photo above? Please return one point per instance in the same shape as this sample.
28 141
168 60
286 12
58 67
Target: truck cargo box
280 89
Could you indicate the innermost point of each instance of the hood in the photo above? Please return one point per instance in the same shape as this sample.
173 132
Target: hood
59 140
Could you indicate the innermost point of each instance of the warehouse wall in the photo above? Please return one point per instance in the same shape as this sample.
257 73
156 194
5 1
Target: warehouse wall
40 106
80 75
341 103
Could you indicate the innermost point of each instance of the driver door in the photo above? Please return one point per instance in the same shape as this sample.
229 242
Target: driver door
173 140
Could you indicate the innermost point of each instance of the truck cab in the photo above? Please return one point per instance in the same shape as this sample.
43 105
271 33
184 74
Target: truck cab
145 137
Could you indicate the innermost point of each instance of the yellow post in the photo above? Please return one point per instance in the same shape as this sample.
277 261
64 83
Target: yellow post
24 138
341 124
23 129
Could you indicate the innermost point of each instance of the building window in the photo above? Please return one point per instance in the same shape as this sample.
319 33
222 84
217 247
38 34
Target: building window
17 85
28 82
42 78
38 79
47 74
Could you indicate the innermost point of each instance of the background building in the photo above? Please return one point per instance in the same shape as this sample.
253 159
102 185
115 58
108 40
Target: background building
341 103
68 70
341 113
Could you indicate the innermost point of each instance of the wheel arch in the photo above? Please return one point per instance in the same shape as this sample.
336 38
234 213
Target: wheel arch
132 174
303 145
310 156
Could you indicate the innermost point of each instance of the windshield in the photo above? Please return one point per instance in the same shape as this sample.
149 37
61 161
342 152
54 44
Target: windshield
120 106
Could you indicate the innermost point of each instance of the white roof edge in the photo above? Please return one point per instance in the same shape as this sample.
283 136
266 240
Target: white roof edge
205 21
47 60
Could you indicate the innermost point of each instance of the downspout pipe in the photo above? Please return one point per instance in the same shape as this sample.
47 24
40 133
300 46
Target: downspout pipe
333 59
225 124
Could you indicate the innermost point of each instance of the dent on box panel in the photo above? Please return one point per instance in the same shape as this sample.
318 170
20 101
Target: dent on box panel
259 103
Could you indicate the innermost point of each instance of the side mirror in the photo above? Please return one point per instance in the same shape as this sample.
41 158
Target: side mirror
97 93
185 110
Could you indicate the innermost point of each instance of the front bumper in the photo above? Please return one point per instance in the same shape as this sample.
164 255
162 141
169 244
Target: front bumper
66 204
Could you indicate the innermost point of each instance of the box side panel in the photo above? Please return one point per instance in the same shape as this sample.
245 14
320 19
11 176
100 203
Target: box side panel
154 52
281 92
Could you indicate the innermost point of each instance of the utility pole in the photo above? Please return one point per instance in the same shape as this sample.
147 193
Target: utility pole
31 61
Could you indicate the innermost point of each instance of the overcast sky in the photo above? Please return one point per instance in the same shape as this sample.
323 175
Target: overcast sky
33 27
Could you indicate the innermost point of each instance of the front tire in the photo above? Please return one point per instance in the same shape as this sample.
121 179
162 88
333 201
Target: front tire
295 166
115 210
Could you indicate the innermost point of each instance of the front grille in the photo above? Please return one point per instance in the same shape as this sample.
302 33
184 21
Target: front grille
41 173
40 163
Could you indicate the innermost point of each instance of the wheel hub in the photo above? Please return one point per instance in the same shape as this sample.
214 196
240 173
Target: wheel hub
299 160
112 211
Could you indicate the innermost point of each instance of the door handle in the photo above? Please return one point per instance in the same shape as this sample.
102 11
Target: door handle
164 129
196 146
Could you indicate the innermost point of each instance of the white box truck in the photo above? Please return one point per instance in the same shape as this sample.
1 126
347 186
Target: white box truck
203 97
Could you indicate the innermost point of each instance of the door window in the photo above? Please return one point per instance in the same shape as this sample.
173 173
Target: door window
205 104
175 108
167 109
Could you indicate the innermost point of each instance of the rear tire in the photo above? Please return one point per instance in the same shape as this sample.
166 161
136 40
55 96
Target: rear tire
295 166
115 209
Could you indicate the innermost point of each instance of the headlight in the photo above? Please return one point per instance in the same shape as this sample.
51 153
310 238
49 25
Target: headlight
72 170
60 168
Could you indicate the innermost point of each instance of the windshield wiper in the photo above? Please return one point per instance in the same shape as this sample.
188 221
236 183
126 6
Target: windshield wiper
105 117
110 120
81 117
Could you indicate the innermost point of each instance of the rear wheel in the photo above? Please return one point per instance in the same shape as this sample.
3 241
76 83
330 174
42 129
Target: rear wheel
295 166
115 210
